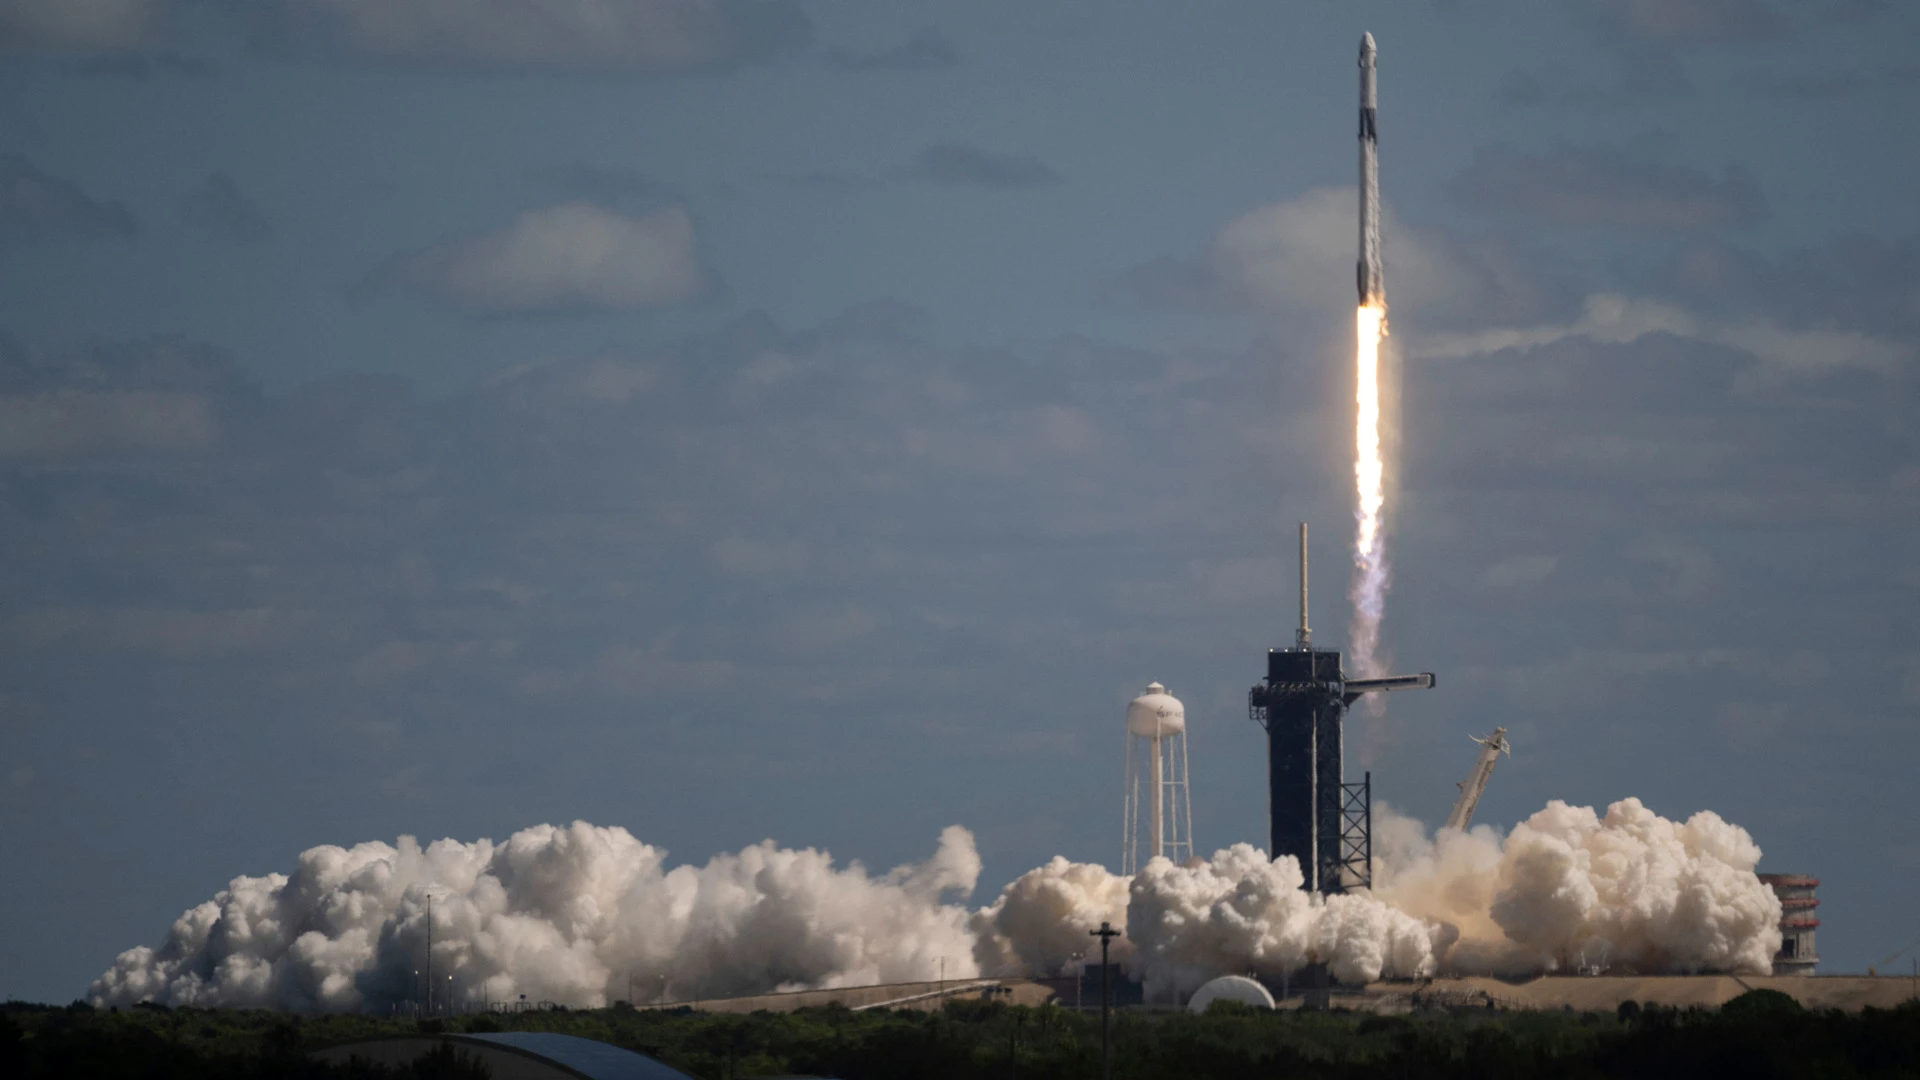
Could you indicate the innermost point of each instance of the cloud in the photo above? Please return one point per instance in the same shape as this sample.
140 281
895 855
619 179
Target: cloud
927 50
572 257
1866 281
1614 319
1297 257
158 396
952 163
628 190
169 633
1604 187
641 36
81 25
1519 572
35 208
1520 89
219 207
1690 22
146 67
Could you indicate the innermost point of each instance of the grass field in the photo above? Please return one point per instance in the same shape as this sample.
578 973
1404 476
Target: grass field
1760 1034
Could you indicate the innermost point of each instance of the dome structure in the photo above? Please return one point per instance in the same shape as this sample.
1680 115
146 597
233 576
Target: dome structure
1230 988
1156 713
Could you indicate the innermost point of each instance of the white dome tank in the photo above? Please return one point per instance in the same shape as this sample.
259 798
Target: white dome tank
1156 712
1230 988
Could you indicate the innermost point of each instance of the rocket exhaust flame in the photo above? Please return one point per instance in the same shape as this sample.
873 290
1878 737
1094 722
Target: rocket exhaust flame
1370 575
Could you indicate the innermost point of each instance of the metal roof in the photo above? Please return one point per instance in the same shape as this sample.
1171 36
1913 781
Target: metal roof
590 1058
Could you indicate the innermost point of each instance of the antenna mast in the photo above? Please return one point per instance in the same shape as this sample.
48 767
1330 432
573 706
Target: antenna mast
1303 637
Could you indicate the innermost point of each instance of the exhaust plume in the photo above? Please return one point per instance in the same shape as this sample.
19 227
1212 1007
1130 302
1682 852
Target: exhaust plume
1571 889
570 914
1370 574
557 914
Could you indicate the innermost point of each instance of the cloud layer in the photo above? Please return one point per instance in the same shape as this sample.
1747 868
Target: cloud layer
36 207
642 36
80 25
1605 187
575 256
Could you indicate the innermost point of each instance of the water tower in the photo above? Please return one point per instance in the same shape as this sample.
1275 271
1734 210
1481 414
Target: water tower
1159 813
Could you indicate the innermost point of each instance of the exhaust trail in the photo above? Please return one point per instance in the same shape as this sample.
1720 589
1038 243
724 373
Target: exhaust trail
1370 572
1368 591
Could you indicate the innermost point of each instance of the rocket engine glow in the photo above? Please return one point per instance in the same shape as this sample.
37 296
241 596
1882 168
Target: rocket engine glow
1370 577
1369 590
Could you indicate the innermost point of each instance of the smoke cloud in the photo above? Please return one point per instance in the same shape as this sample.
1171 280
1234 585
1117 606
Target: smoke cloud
1571 889
570 914
558 914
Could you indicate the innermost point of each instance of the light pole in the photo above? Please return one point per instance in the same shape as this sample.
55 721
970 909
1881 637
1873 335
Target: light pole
1106 934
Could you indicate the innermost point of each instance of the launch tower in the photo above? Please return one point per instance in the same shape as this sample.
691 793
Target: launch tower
1313 813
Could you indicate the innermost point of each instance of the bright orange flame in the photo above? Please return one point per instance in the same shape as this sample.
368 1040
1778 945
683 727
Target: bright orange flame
1369 478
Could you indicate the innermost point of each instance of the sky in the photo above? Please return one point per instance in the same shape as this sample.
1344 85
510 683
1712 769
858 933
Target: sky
744 419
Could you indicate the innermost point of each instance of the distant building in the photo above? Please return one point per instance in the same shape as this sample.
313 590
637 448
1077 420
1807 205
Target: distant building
1797 922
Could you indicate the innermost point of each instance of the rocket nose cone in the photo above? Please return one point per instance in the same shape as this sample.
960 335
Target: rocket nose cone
1366 43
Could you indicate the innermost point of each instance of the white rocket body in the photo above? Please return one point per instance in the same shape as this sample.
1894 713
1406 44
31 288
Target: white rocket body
1372 282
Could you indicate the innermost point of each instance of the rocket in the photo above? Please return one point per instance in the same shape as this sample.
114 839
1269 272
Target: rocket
1373 288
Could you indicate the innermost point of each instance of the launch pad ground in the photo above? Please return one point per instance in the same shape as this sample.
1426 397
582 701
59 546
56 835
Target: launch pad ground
1580 993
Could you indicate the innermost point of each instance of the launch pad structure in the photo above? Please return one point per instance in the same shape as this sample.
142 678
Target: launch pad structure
1314 814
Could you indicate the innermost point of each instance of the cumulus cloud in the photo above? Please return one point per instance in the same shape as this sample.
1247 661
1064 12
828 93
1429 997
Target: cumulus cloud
80 25
927 50
218 206
643 36
36 207
1607 317
572 257
1604 187
1296 257
953 163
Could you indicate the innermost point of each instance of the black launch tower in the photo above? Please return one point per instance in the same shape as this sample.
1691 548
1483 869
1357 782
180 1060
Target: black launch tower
1313 813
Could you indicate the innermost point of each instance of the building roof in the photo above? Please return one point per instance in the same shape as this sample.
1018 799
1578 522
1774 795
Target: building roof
590 1058
515 1054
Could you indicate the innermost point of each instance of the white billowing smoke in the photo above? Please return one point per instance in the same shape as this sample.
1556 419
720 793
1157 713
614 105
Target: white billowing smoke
572 914
1240 912
1571 889
1040 923
559 914
1243 913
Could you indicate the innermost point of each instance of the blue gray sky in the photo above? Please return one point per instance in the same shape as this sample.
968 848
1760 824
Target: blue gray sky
815 420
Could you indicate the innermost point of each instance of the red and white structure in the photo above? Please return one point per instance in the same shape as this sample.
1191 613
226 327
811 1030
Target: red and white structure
1797 922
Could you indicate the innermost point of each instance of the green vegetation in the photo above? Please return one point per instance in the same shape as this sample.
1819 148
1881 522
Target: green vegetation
1756 1036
